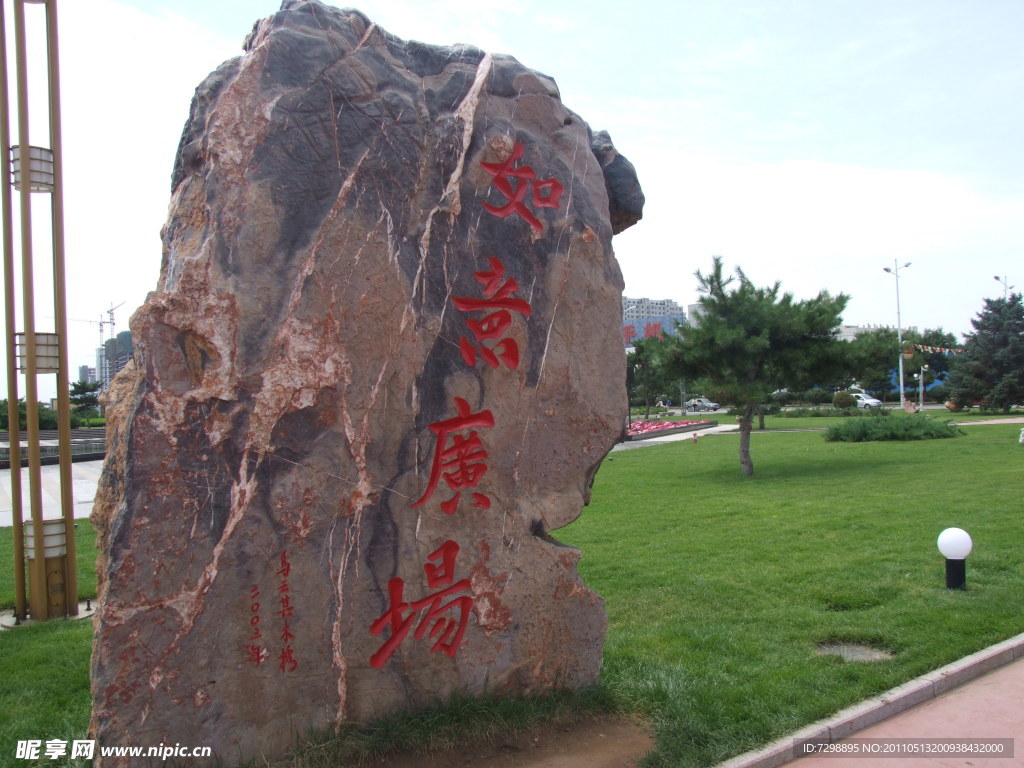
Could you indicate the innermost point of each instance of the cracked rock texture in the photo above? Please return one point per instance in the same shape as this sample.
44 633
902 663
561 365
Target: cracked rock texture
382 363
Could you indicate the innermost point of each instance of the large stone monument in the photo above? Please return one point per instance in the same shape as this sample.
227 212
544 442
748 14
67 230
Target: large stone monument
382 362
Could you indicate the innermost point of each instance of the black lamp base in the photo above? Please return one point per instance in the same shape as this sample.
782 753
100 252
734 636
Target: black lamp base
956 574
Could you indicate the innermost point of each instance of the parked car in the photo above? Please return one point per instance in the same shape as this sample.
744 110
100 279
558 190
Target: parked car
866 401
700 404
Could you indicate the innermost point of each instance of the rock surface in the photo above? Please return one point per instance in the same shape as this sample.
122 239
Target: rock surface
382 362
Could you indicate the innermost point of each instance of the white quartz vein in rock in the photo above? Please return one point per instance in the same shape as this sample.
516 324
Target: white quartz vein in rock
450 200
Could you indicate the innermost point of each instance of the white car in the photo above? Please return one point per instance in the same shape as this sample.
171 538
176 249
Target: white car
701 404
866 401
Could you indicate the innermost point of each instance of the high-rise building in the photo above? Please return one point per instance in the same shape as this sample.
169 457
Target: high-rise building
113 356
850 332
86 374
643 318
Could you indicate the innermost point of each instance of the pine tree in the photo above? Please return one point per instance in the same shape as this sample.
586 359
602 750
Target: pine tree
750 342
991 369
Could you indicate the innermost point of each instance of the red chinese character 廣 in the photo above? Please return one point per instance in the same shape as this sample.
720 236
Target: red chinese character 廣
460 463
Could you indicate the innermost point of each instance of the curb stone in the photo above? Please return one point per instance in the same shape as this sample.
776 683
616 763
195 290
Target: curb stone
894 701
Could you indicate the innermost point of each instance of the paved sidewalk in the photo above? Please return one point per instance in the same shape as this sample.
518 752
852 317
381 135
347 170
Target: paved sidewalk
980 697
657 439
84 477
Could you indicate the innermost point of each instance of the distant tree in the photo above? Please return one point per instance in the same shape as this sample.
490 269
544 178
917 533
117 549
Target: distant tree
648 378
927 354
991 368
938 362
84 399
872 357
85 394
752 341
47 416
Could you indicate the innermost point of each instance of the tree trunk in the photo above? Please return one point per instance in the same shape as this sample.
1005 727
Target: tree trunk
760 417
745 424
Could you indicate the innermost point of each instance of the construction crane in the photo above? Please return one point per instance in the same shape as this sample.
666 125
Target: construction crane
110 322
104 372
101 322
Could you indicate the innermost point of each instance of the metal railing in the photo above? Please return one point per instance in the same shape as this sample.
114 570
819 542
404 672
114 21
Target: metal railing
86 445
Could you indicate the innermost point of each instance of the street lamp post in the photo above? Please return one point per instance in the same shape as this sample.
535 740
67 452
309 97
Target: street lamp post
920 387
895 272
629 407
1006 285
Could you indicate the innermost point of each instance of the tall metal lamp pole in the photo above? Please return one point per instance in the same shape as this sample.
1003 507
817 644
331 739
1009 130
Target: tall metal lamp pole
895 272
1006 286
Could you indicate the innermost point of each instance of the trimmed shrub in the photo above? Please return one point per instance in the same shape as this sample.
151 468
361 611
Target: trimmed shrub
890 427
816 396
843 400
800 413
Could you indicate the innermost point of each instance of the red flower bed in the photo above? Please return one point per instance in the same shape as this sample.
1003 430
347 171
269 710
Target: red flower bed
650 427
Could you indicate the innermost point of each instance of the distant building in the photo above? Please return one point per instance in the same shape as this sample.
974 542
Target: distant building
643 318
850 332
113 356
846 332
695 311
86 374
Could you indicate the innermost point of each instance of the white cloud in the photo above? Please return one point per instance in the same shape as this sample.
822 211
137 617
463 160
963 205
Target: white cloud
127 82
821 226
804 144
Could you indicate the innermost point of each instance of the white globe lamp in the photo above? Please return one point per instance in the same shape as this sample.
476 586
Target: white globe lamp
955 545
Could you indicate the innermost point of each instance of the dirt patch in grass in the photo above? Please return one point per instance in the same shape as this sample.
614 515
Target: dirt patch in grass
607 742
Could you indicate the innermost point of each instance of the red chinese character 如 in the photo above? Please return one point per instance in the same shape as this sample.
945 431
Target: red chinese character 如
514 182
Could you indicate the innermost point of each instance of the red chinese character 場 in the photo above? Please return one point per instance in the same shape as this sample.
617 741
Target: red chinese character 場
401 615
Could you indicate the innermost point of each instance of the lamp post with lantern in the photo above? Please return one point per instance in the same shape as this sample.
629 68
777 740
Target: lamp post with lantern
895 272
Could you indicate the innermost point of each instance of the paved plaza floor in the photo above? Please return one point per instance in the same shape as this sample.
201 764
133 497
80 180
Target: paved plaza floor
84 477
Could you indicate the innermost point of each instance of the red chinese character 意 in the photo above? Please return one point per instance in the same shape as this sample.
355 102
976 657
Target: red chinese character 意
499 303
401 615
515 182
461 462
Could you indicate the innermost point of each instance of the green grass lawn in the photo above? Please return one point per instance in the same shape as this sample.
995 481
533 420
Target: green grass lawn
45 667
45 691
85 549
720 587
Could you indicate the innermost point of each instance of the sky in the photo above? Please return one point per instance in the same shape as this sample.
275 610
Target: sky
810 142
